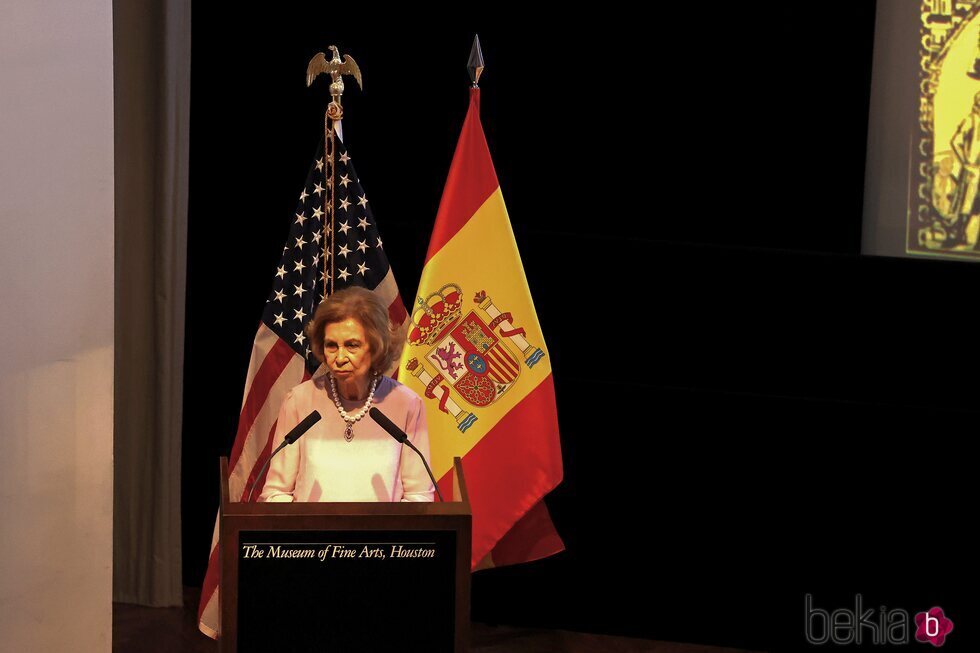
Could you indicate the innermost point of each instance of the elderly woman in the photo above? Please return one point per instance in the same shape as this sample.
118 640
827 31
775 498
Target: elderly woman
346 456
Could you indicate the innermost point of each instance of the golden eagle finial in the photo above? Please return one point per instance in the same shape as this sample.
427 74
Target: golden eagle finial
337 68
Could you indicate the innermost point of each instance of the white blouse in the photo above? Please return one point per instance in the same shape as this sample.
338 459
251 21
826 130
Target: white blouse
323 466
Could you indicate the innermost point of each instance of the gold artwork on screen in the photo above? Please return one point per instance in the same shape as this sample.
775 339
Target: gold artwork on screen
944 213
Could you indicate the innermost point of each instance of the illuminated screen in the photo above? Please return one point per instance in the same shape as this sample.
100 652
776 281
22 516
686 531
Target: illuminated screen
923 170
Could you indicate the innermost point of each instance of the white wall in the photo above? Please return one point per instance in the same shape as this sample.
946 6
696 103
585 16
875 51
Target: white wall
56 294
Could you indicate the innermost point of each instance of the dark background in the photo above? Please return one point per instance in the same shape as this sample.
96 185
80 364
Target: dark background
750 410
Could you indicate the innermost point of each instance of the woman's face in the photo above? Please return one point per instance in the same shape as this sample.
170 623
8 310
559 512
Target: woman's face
347 353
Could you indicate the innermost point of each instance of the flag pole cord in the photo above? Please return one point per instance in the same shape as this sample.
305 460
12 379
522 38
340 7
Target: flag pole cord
328 201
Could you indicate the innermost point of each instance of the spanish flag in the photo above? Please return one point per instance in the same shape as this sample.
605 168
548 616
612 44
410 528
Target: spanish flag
476 354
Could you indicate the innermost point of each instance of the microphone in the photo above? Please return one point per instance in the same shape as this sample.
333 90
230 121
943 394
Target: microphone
297 431
382 420
388 425
294 434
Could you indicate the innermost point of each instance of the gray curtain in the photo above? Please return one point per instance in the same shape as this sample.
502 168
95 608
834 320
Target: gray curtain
151 45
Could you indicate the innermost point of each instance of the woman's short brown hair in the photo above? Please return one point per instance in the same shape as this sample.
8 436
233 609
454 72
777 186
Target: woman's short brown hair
364 306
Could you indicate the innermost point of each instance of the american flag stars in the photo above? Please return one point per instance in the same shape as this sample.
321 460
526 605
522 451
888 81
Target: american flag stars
324 255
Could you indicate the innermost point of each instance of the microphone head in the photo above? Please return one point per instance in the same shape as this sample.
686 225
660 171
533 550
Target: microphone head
382 420
302 427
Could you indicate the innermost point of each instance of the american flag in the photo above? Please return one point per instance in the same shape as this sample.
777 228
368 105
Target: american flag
319 258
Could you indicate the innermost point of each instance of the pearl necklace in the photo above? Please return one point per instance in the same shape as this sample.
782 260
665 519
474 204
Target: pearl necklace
351 419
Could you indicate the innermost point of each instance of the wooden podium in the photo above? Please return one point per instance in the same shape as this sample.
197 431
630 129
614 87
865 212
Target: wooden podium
345 576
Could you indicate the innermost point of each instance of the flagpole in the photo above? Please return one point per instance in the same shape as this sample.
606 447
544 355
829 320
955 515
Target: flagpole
331 126
328 203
